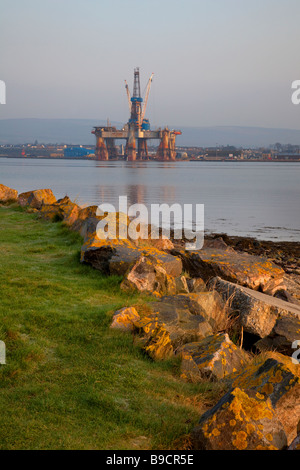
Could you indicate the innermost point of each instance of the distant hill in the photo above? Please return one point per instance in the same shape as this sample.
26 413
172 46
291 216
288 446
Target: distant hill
69 131
78 131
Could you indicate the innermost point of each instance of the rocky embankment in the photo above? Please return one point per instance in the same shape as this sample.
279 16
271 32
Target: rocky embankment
230 312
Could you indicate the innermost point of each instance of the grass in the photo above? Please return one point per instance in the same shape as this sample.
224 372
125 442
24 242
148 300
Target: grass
70 382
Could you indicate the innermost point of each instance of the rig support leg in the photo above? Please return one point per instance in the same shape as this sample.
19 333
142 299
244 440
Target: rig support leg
163 152
142 149
101 150
131 146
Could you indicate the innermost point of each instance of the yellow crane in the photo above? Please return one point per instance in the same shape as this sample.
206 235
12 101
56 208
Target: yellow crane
146 97
128 95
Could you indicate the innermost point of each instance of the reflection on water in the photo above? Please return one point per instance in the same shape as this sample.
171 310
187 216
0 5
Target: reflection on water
240 198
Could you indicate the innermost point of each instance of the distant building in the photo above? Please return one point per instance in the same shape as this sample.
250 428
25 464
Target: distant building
73 152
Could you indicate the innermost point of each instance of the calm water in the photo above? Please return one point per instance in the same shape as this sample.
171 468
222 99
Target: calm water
256 199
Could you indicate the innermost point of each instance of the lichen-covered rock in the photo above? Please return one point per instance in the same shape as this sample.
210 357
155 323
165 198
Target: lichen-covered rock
124 319
109 256
258 312
181 285
167 328
36 198
7 194
86 227
69 210
171 264
214 307
147 276
217 243
277 379
292 283
86 222
282 337
241 420
116 256
196 285
50 212
162 243
106 250
212 358
208 304
244 269
188 302
64 210
88 211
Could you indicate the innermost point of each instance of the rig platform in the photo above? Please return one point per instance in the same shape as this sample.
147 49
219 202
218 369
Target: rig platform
136 131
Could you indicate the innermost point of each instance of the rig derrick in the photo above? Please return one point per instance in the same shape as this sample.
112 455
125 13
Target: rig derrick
136 132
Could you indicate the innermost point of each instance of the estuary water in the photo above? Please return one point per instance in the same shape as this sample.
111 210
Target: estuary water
255 199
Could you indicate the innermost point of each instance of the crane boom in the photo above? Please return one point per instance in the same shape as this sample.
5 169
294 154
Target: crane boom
128 96
146 97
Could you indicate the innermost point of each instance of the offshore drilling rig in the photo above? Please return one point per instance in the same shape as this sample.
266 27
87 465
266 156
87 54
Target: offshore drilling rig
136 132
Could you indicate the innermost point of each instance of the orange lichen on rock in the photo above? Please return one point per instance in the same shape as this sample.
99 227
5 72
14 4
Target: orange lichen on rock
278 380
252 424
125 319
7 194
36 198
212 358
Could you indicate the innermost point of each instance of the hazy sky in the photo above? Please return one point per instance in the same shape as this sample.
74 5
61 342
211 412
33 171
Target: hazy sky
216 62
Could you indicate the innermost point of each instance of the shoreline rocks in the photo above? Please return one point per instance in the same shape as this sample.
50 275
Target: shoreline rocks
36 198
213 358
241 420
8 194
244 269
260 409
258 312
277 380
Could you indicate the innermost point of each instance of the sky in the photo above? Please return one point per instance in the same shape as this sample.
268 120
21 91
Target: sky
215 63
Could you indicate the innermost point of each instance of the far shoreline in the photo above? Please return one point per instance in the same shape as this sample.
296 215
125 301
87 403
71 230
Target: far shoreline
152 160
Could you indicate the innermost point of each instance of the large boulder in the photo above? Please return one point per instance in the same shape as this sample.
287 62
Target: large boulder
37 198
150 274
64 210
7 194
171 264
69 210
196 284
86 227
241 420
244 269
163 243
169 326
116 256
149 277
88 211
124 319
285 332
86 222
50 212
292 283
277 380
109 256
189 302
207 304
217 243
212 358
216 311
103 248
181 285
258 312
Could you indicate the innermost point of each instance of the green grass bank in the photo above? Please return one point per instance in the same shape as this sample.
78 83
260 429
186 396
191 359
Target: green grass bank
70 382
